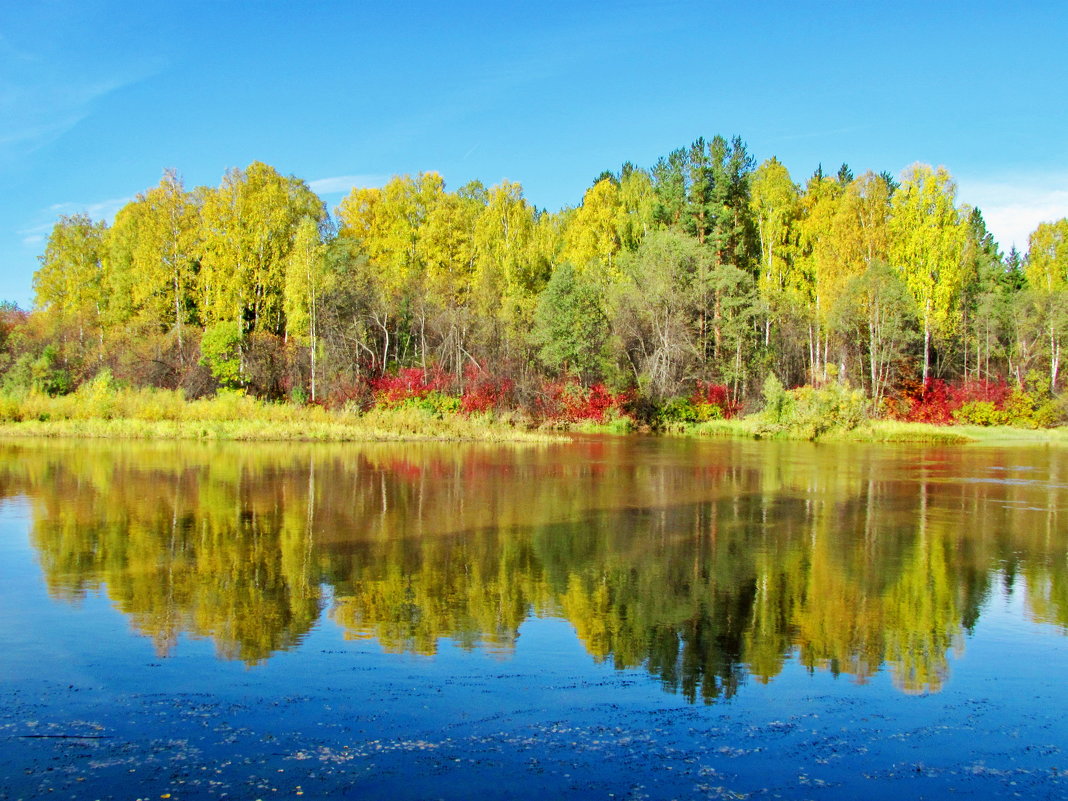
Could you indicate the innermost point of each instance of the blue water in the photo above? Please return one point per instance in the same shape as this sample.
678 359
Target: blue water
93 709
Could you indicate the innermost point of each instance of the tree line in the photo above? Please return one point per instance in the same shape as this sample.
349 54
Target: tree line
705 267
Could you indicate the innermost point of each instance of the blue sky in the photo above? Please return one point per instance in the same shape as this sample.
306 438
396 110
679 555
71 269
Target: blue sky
98 98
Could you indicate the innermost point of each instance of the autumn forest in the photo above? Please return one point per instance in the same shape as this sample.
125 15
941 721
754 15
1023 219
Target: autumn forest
700 276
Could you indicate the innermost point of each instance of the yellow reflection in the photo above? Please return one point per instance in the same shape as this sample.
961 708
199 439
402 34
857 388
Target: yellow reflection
704 563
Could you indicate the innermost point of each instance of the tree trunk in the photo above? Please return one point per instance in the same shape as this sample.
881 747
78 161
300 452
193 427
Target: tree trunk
926 348
813 356
1054 358
178 317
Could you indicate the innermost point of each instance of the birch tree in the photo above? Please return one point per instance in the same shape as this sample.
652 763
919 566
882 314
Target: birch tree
927 239
1046 270
307 281
152 259
774 205
70 281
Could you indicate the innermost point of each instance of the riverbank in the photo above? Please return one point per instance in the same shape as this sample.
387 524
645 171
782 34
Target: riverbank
880 431
148 414
163 415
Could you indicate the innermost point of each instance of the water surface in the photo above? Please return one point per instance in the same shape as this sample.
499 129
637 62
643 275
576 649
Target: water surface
611 618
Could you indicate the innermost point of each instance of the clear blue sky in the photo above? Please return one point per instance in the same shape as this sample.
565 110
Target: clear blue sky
97 98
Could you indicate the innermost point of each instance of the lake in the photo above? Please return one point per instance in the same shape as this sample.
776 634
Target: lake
613 618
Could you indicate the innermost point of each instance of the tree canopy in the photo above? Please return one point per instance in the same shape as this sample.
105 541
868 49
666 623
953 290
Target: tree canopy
702 268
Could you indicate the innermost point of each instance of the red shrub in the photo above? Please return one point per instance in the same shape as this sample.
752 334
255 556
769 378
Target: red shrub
483 391
567 401
996 392
342 392
935 401
715 395
408 383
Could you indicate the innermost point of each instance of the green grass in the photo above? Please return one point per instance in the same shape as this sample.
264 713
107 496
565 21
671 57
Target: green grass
897 431
736 427
97 412
618 425
1006 434
885 431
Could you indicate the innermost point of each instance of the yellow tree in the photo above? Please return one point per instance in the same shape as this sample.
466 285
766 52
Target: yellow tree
858 239
637 206
1046 267
591 238
927 241
818 262
307 280
387 224
248 225
70 281
507 278
1046 270
774 204
151 258
861 224
446 248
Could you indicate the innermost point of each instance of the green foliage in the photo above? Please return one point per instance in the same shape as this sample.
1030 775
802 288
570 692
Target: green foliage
978 413
875 311
809 412
220 352
778 403
677 410
570 328
42 373
438 404
682 412
1021 409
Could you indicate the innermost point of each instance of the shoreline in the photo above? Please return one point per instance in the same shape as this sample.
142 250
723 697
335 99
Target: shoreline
377 428
408 425
871 431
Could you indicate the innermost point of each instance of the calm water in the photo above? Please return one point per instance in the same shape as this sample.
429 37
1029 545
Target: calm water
613 618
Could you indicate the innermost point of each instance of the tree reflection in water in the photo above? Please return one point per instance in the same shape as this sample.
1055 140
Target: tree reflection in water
706 563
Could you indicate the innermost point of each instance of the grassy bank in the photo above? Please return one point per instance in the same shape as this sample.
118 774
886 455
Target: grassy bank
753 427
94 412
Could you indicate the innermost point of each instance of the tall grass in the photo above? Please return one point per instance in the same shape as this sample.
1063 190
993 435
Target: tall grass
898 431
99 410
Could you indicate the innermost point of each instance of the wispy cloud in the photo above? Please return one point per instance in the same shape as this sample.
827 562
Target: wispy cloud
1014 208
40 101
36 232
33 235
343 183
100 210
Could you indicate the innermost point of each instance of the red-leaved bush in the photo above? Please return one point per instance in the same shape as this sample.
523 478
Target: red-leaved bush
708 394
567 401
935 401
483 391
409 383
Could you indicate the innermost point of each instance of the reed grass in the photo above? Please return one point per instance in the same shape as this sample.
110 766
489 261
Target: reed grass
99 412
